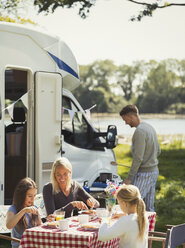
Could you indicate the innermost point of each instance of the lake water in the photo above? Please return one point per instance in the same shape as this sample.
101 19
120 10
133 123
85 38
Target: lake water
162 126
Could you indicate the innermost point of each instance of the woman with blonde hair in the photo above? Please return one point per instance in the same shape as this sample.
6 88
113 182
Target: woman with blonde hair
132 226
64 193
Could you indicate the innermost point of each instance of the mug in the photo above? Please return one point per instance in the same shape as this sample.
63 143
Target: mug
64 224
83 218
101 212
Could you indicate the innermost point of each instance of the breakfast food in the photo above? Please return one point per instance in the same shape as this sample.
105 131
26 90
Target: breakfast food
89 211
92 211
90 225
87 226
52 224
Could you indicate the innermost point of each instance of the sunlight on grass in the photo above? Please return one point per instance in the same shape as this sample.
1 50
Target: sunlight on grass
123 157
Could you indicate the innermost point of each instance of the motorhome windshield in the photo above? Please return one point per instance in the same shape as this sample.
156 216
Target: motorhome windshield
75 128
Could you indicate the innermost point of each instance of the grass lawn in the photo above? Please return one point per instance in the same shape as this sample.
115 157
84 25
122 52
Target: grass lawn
170 188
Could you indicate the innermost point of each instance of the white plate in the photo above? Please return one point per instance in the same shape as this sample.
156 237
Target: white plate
55 224
90 226
89 212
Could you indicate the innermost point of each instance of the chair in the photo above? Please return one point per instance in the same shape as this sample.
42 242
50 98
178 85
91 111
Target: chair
156 236
3 212
39 202
4 231
19 119
2 236
176 236
16 134
171 239
152 220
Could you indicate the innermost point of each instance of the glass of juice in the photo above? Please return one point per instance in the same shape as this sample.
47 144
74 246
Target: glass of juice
59 214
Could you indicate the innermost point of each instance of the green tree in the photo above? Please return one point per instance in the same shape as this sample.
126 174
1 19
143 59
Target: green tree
178 106
96 87
84 6
15 11
125 76
97 74
181 71
158 90
149 8
102 72
48 6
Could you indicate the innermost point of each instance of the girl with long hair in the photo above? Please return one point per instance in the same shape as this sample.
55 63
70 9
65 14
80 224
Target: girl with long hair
132 226
23 214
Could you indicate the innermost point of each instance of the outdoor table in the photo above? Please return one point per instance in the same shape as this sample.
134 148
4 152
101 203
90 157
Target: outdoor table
75 237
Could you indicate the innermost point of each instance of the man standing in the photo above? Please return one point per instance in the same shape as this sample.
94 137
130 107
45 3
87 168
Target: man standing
145 150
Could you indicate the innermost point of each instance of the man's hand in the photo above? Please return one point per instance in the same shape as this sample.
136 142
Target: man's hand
127 181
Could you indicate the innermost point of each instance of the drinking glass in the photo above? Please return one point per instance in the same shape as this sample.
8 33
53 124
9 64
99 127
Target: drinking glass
59 214
110 203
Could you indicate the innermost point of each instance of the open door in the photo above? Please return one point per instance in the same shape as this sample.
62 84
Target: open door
48 96
15 130
1 149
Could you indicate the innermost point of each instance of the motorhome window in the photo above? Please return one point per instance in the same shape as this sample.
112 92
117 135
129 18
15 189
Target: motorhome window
66 122
75 129
15 84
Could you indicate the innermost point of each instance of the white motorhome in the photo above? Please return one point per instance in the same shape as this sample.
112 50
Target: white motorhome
40 118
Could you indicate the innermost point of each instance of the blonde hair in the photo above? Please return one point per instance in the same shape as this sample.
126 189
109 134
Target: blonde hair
131 195
64 163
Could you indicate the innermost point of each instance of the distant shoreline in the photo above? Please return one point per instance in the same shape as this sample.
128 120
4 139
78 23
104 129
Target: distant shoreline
164 138
144 116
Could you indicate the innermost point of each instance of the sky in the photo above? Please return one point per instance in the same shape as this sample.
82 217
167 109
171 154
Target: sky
107 33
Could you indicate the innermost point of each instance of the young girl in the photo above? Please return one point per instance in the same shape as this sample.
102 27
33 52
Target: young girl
131 228
23 214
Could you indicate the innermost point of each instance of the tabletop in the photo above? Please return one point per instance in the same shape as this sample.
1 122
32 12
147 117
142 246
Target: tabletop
152 219
75 237
43 237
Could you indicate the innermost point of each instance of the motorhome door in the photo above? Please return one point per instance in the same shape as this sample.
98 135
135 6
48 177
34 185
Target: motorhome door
15 123
48 89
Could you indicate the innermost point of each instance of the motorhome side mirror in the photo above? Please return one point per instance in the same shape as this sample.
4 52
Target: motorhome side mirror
111 136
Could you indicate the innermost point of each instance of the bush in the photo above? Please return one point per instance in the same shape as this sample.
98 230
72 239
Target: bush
176 108
169 204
